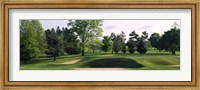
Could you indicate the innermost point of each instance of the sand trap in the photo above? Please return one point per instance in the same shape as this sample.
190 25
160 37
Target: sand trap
101 68
72 62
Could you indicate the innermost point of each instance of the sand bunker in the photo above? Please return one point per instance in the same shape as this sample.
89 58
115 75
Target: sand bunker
72 62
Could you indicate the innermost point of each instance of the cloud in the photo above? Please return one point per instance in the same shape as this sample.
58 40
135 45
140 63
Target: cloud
110 27
145 27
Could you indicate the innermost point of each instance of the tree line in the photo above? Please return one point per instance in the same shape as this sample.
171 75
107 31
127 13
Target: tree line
169 41
81 34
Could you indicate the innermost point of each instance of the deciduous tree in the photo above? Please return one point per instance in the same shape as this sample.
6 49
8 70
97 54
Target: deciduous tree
154 38
95 44
41 37
107 44
86 29
28 41
71 41
170 41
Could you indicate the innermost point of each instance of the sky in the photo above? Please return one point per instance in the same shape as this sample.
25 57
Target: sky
127 26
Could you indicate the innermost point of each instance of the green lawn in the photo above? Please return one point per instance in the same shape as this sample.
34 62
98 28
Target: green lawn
152 60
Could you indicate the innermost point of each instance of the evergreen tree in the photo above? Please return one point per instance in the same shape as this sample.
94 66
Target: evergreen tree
117 44
141 46
113 36
132 41
55 43
142 43
123 39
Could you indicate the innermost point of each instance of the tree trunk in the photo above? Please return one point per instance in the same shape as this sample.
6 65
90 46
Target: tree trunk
112 50
93 51
54 58
83 50
25 62
173 52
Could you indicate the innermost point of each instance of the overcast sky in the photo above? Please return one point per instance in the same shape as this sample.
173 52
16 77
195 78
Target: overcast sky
127 26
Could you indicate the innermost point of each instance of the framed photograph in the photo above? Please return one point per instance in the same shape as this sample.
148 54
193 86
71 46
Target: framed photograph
91 44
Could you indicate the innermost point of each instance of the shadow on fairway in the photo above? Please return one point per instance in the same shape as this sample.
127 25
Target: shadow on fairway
113 63
48 58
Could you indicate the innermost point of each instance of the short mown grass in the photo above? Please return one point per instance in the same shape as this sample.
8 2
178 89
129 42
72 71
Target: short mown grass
152 60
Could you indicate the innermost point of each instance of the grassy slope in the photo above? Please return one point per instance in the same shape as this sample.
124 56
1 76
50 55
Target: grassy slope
151 61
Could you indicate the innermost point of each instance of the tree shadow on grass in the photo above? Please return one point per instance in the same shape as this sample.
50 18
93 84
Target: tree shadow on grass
147 54
46 58
35 61
113 63
58 57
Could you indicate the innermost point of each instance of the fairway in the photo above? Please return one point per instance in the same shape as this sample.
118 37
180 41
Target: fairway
150 61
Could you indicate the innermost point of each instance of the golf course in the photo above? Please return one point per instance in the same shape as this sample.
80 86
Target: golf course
152 60
99 45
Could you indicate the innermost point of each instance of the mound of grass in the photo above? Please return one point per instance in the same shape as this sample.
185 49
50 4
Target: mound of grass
113 63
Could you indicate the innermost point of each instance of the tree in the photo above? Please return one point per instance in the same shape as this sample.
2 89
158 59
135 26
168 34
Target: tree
154 38
41 37
123 39
124 48
141 46
161 45
131 46
55 43
28 41
170 41
86 29
59 31
117 44
132 41
112 36
71 41
95 44
60 38
107 44
142 43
